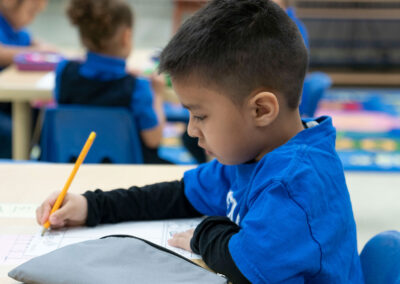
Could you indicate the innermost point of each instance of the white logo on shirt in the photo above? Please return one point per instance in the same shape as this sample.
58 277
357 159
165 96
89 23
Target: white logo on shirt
231 204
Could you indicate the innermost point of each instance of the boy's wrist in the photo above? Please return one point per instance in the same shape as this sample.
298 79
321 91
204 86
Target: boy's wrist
92 217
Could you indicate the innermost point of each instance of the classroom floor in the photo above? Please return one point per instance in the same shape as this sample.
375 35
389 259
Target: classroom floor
375 204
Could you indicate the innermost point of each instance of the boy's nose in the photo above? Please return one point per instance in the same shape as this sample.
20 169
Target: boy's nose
192 130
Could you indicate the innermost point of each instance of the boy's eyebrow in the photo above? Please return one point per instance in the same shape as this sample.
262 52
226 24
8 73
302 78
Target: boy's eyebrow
191 106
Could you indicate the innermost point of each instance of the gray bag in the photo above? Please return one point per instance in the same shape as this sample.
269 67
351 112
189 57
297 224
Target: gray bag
113 260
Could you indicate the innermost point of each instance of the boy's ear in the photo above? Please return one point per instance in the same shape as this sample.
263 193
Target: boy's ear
264 108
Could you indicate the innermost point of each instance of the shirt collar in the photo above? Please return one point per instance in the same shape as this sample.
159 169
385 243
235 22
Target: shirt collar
322 129
100 63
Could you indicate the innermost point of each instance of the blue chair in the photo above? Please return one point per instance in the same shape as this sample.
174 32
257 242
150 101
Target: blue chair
66 128
314 87
380 259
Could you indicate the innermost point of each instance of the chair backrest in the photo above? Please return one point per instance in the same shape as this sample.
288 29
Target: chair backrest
380 259
66 128
315 85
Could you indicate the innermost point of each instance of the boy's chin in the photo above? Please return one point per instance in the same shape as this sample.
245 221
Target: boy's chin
227 161
231 161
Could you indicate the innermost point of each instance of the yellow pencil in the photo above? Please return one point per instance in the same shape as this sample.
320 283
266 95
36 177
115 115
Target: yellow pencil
78 162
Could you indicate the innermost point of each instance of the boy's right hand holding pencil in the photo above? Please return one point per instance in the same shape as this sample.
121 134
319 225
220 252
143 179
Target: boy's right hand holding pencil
73 211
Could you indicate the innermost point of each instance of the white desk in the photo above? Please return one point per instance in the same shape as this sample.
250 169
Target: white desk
21 88
375 196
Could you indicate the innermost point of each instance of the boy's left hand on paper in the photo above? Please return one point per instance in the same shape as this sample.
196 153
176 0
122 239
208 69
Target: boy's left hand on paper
182 240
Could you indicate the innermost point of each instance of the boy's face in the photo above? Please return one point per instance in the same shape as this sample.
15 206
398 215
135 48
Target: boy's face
223 128
25 12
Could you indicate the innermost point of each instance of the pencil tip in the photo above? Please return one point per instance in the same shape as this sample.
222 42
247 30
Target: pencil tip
44 231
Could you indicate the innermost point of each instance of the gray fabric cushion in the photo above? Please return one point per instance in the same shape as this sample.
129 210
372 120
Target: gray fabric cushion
112 260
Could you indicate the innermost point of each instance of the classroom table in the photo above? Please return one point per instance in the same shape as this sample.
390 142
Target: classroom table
374 195
28 183
21 88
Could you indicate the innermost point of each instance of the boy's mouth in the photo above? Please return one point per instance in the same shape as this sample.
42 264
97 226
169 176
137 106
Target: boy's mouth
203 147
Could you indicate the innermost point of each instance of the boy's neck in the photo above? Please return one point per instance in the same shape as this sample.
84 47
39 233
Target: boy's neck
287 125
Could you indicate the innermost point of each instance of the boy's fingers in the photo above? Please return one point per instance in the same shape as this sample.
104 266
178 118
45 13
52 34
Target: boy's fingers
59 225
43 212
46 208
174 241
181 240
59 217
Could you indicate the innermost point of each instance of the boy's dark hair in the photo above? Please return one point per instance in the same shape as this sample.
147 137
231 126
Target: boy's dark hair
239 46
99 20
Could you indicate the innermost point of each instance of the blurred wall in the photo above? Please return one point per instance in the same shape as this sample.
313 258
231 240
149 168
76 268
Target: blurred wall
153 24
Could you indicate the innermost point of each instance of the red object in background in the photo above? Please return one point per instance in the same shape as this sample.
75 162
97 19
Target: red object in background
352 106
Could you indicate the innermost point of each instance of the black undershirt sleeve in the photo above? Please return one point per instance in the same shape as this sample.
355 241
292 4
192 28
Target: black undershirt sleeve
165 200
210 240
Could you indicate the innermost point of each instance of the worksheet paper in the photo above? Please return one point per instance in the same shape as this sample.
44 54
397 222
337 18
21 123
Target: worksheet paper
16 249
16 210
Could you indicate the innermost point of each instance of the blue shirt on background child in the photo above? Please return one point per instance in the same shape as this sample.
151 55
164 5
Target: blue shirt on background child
10 36
100 68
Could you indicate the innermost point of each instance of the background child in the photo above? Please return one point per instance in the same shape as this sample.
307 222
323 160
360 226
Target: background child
14 16
105 29
278 206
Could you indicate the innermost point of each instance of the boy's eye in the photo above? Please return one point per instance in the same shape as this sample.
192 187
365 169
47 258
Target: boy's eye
199 117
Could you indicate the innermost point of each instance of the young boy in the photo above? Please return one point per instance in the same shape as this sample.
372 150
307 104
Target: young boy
278 206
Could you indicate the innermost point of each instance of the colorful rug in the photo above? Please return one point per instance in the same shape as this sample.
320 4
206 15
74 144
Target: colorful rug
368 127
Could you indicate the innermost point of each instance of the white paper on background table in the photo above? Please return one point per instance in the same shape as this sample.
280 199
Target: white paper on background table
18 210
47 82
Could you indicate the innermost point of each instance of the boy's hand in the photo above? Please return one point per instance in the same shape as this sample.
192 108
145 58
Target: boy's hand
182 240
73 211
